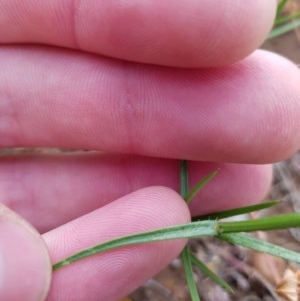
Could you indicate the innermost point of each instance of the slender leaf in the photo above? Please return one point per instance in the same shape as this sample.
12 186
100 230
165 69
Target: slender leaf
284 19
280 7
248 241
189 275
193 192
280 221
209 273
184 180
277 31
185 254
190 230
236 211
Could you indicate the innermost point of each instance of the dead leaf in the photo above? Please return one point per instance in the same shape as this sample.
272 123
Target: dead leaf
289 287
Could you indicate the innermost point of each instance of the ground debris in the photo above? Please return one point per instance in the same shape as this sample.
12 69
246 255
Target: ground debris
253 276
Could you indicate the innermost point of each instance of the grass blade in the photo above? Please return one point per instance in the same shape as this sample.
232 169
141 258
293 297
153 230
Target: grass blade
184 180
280 221
209 273
187 264
190 230
236 211
193 192
280 30
248 241
284 19
185 254
280 7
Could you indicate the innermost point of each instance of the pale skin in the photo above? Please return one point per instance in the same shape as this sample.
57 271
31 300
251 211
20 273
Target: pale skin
96 75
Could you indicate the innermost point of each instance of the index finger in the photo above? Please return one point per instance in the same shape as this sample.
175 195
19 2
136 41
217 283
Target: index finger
174 33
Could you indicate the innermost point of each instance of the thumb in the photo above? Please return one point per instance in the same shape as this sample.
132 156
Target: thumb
25 267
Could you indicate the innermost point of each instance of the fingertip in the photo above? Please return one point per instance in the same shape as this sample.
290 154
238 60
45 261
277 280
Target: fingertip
276 136
247 27
25 267
165 199
194 35
159 205
114 274
177 33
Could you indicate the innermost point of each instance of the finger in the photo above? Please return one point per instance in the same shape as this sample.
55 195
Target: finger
25 268
189 34
52 190
114 274
78 101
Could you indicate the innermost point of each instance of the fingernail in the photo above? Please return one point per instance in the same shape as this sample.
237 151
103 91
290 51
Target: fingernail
25 267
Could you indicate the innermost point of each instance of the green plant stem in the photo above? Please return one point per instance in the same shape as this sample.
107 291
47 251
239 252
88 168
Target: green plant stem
194 191
206 271
190 230
185 254
236 211
184 180
284 19
280 30
282 221
280 7
223 230
248 241
189 275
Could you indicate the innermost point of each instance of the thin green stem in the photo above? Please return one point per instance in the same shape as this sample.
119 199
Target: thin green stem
236 211
284 19
194 191
280 30
282 221
209 273
185 254
190 230
280 7
250 242
189 275
184 179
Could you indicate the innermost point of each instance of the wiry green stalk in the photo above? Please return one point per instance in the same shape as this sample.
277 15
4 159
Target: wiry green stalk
185 254
227 231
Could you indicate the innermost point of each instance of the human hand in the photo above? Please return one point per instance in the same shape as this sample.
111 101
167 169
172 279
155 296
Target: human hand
56 93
